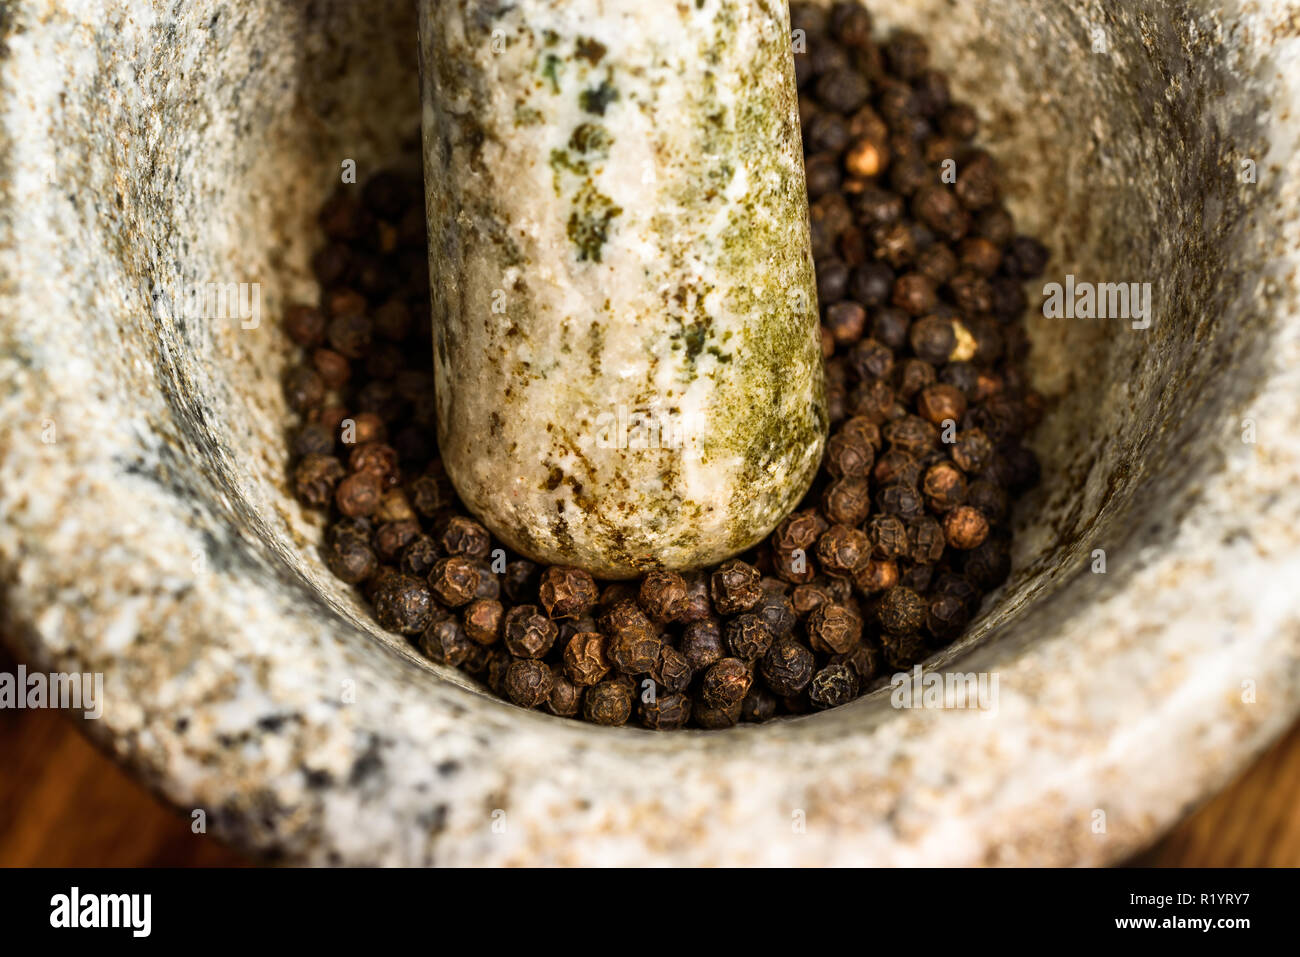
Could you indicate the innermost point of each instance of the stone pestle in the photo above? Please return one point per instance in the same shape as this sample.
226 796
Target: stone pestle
626 339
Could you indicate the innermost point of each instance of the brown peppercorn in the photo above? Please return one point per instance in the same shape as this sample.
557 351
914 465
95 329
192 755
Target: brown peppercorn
787 667
698 604
716 719
925 540
808 598
419 556
833 686
911 434
960 122
989 564
841 550
394 506
904 651
863 660
634 653
875 574
376 458
970 291
521 581
665 712
941 403
912 376
965 527
940 209
345 302
866 157
977 180
759 705
799 529
702 643
847 501
608 703
1025 258
972 451
305 325
392 320
946 616
312 438
358 494
938 262
989 498
445 642
455 580
663 595
349 335
351 559
735 587
566 697
915 294
333 369
672 671
483 619
391 537
842 89
834 628
980 255
847 456
874 401
777 612
528 633
748 636
315 479
303 388
864 430
529 683
584 658
845 321
725 683
365 427
428 494
933 339
871 360
899 498
871 284
944 487
403 604
468 539
901 610
567 592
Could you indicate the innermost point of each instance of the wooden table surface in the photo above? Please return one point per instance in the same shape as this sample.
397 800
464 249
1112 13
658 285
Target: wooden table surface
62 803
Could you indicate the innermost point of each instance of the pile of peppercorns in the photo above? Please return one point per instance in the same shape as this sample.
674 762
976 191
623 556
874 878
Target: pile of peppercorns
906 527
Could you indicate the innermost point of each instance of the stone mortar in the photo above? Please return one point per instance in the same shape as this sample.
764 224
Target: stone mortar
148 534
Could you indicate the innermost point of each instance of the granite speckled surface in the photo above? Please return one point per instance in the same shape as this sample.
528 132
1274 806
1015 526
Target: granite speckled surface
147 533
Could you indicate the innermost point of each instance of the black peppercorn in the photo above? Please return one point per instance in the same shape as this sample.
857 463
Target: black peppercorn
841 549
847 501
759 705
933 339
972 451
584 658
315 479
634 642
466 537
887 535
445 642
925 540
735 587
566 697
403 603
663 595
989 564
871 284
833 686
608 703
567 592
965 527
725 683
845 321
702 643
455 580
482 620
672 671
899 498
900 610
359 494
834 629
528 632
748 636
529 683
351 559
665 712
520 581
419 556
